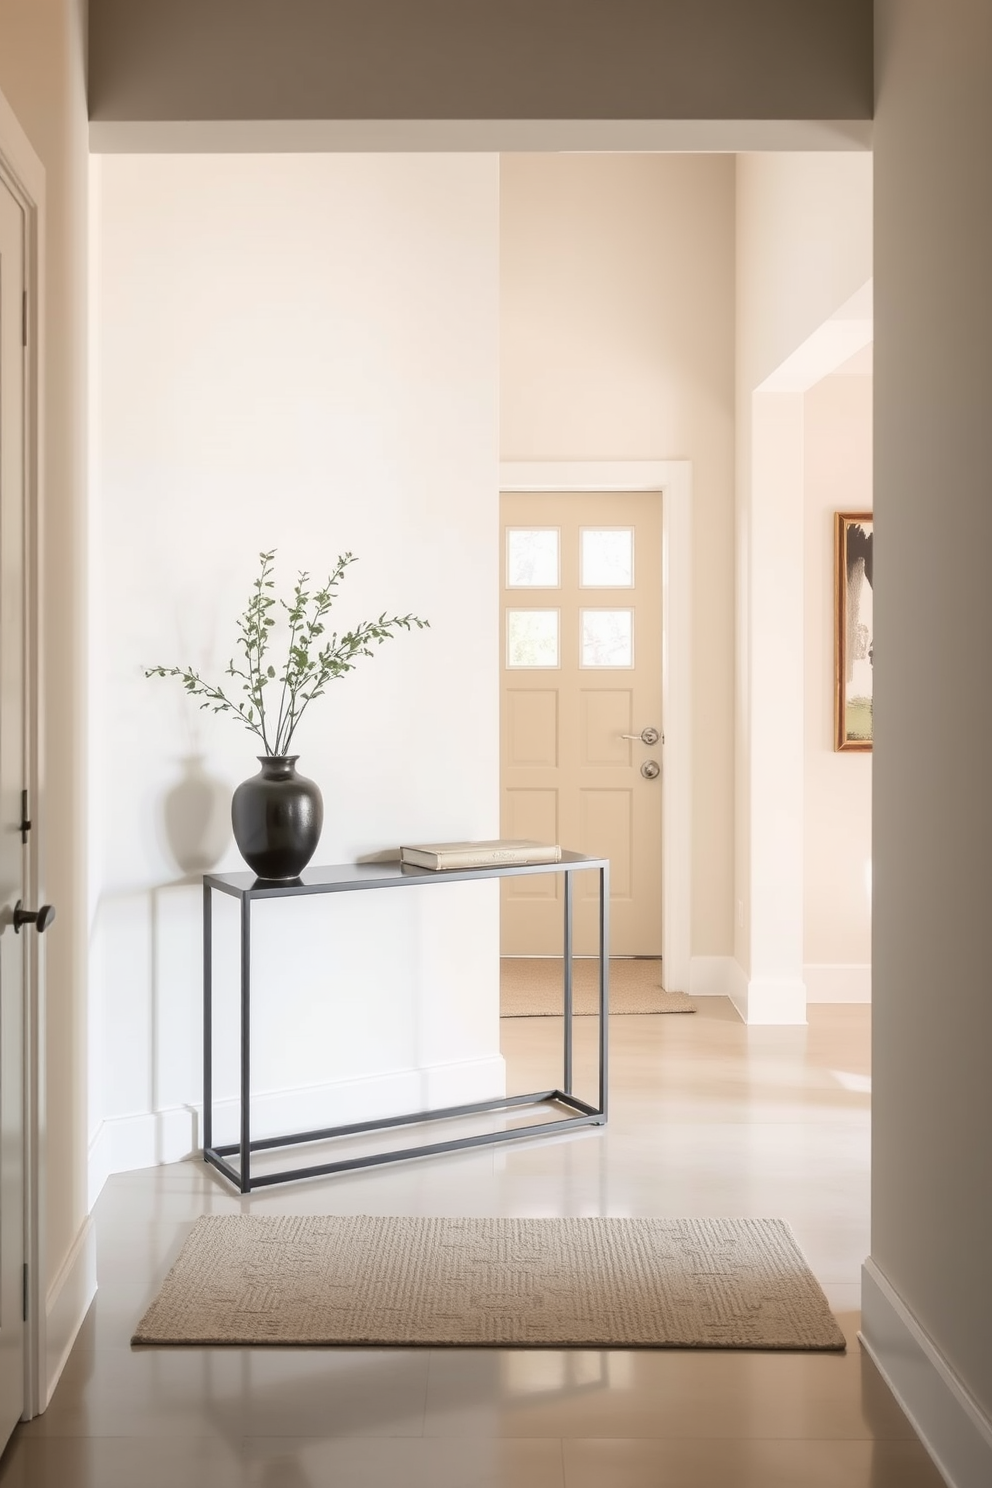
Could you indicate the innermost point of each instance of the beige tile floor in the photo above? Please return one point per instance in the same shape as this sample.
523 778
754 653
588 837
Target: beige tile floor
707 1118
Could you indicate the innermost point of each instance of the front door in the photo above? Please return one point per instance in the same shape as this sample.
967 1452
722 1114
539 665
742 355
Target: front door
581 683
12 779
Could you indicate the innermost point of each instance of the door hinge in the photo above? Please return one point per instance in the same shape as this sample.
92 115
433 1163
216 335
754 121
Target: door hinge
25 1311
25 820
24 318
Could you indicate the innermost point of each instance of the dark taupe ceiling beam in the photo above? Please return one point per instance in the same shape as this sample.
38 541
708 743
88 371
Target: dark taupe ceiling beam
375 61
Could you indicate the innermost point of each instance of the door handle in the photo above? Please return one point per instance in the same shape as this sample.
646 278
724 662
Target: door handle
647 735
40 918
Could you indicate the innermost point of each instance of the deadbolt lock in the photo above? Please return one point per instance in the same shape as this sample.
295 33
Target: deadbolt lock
650 769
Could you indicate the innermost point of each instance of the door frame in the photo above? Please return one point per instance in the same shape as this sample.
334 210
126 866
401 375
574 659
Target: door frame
672 479
24 176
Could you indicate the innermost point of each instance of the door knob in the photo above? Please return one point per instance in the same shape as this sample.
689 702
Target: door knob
40 918
647 735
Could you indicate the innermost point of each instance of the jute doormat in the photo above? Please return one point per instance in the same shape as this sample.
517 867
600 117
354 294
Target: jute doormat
534 1283
531 987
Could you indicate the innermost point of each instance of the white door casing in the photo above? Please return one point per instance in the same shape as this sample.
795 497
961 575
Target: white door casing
673 478
22 180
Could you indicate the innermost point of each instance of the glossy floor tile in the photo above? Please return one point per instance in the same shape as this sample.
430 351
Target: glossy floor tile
707 1117
760 1464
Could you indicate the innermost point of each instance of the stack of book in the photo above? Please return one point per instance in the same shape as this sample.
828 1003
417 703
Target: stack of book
503 853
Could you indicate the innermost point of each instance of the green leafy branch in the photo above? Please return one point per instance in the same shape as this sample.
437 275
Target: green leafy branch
313 658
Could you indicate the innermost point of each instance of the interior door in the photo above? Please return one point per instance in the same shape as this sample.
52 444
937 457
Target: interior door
581 710
12 778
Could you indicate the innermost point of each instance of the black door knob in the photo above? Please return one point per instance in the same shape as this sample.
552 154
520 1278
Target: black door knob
40 918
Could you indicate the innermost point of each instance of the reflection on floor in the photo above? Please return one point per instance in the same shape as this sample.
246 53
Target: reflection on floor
708 1118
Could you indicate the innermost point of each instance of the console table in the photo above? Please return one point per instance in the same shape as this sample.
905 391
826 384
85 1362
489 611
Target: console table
350 878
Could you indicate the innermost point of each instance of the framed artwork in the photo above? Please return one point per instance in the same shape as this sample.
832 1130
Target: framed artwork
854 631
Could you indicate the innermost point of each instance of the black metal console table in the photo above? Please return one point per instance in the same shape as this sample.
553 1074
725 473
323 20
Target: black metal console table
347 878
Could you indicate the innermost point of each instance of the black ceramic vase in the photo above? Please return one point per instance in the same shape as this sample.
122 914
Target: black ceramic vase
277 816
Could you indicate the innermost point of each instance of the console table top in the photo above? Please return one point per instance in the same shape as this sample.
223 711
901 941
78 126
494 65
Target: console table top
342 877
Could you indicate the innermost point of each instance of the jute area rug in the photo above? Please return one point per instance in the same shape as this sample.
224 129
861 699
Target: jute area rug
530 987
477 1283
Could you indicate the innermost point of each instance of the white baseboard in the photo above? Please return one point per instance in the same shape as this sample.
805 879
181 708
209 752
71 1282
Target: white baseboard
775 1002
66 1304
151 1138
838 982
142 1141
710 976
756 1001
719 976
345 1101
943 1413
738 988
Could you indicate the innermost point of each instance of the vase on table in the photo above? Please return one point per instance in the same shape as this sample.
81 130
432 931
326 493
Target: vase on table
277 816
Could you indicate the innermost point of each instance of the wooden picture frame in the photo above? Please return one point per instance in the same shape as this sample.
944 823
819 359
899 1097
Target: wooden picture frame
853 630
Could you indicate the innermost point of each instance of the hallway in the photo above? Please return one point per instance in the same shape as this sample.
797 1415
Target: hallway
708 1117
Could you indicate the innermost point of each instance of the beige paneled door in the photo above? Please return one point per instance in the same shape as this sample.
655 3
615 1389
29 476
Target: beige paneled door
581 710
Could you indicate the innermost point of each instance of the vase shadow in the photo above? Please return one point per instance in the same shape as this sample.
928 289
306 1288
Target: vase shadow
196 818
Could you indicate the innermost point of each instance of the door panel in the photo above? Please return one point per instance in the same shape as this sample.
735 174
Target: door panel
531 727
533 815
12 779
605 718
582 668
607 818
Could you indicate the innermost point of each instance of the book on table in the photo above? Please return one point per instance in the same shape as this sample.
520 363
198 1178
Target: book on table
501 853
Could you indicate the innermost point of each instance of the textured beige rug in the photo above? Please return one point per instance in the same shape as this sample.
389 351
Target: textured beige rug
530 987
535 1283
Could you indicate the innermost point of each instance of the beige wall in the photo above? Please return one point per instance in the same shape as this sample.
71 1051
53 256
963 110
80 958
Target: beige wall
42 51
932 1184
617 344
837 795
480 59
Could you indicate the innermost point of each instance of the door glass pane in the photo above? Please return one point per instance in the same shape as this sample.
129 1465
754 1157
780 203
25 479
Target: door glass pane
532 558
607 558
532 638
607 638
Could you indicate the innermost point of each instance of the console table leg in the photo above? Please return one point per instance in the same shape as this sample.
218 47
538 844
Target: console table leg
567 975
208 1020
245 1045
604 971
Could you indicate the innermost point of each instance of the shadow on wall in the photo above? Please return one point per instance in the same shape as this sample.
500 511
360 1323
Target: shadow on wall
196 819
194 828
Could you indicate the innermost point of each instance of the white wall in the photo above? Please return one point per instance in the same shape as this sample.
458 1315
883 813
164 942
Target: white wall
837 790
617 344
804 224
299 353
803 251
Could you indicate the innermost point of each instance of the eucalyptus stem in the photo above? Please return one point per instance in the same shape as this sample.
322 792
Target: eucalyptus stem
282 691
309 666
